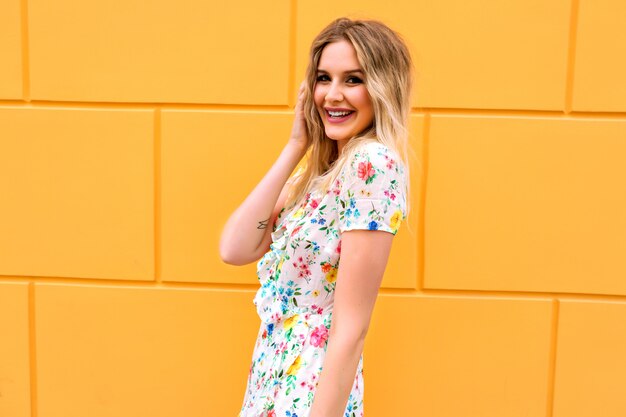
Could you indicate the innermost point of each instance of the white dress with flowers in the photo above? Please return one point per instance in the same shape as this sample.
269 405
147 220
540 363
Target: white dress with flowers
298 276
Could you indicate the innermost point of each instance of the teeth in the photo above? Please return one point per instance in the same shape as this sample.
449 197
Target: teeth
338 113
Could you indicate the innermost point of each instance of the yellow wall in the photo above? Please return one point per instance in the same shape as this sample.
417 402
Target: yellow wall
129 130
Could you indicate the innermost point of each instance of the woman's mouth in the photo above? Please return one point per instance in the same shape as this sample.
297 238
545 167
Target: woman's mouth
338 116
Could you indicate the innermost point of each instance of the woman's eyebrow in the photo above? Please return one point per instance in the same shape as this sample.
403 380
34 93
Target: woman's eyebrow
345 72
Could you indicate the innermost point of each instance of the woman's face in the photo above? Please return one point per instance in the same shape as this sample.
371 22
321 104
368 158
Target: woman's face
340 95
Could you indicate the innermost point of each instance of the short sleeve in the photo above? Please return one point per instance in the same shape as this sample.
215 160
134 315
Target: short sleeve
373 190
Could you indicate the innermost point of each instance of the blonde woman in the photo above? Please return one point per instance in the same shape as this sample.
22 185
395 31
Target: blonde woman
345 204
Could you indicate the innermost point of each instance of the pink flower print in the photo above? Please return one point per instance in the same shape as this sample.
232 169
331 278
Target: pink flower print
390 163
366 171
303 268
314 203
319 336
296 230
392 196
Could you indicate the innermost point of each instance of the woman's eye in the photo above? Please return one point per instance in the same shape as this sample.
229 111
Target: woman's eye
322 77
354 80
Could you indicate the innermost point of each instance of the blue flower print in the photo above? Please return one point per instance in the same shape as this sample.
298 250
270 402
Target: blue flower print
372 225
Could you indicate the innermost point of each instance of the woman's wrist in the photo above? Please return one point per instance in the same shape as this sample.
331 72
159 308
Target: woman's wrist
296 147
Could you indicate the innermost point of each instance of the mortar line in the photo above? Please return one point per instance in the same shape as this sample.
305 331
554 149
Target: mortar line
285 109
145 105
127 283
571 57
32 351
25 51
408 292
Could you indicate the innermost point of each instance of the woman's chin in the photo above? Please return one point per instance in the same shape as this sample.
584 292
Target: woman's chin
337 137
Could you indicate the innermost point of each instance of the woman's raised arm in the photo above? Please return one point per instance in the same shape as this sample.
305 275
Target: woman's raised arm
247 233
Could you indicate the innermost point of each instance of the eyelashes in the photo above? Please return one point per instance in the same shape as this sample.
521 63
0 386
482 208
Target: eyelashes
350 80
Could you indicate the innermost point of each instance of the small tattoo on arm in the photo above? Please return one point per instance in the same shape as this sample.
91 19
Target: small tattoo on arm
263 224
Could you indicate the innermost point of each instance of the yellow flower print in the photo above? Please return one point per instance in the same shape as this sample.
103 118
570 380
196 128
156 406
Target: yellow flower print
299 213
280 264
395 221
331 276
295 366
289 323
316 293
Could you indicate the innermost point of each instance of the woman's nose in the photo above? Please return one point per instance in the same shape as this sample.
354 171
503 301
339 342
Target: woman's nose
334 93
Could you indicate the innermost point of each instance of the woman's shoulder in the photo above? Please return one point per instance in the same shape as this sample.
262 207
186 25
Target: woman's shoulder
373 192
376 155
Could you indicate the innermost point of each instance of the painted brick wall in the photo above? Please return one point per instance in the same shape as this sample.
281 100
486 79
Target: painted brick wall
130 130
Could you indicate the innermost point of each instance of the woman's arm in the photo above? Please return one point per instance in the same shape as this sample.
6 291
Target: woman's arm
247 233
364 256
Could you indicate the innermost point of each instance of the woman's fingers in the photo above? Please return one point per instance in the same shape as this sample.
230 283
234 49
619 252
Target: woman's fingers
301 93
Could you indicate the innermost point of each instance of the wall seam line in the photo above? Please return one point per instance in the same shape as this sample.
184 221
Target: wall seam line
421 237
291 78
157 194
32 351
553 358
571 57
25 51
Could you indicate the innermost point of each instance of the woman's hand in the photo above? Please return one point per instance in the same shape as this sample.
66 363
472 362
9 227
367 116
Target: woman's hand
299 136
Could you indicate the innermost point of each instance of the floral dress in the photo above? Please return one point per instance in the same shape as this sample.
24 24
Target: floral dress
298 277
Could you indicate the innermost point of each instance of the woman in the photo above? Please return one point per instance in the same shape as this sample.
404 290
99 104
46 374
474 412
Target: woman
346 202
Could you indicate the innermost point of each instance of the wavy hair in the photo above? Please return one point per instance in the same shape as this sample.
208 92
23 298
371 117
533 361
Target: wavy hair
386 63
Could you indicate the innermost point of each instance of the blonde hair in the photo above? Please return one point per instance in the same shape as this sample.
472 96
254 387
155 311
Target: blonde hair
387 66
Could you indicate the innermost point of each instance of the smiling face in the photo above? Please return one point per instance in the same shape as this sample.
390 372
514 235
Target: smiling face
340 96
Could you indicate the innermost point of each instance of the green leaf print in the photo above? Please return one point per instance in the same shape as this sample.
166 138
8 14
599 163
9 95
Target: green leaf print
291 383
370 179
